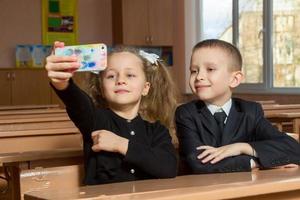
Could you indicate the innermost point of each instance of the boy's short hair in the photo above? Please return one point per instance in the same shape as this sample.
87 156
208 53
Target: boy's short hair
237 60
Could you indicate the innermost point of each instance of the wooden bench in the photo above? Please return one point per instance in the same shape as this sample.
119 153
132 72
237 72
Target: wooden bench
273 110
22 174
293 135
267 102
278 108
32 111
28 107
286 121
36 116
32 140
266 184
285 117
281 106
38 134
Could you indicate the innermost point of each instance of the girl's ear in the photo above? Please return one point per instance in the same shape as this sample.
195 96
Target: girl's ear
146 89
236 79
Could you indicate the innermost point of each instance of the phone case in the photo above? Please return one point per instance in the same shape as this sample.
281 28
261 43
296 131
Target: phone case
93 57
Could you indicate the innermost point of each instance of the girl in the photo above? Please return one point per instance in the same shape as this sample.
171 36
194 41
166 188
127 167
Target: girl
119 144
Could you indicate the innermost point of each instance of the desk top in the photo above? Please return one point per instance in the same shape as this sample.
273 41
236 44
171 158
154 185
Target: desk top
17 157
285 114
280 106
28 107
35 119
206 186
267 102
33 111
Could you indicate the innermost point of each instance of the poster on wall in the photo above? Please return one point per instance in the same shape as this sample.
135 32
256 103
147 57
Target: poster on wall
59 21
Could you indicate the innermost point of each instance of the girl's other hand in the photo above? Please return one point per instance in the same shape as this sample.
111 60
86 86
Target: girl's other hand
108 141
60 68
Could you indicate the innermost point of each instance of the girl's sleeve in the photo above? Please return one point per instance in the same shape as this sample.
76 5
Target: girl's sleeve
158 159
273 148
79 106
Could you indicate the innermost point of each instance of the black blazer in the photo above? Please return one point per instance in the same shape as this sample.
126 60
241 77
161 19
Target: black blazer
245 123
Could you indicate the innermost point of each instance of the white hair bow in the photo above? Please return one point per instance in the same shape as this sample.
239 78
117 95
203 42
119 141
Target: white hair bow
151 57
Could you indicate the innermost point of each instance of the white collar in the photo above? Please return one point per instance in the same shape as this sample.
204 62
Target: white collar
226 107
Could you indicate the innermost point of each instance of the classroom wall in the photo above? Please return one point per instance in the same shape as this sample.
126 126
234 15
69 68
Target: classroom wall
178 71
20 22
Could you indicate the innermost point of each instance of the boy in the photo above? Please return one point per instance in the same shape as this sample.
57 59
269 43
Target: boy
218 133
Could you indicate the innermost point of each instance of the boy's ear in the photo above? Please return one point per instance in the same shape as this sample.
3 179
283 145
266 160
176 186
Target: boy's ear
236 79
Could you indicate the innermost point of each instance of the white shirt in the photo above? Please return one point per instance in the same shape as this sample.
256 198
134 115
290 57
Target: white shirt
226 108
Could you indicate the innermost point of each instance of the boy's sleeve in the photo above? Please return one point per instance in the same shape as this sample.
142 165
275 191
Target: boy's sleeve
79 106
158 158
273 148
189 136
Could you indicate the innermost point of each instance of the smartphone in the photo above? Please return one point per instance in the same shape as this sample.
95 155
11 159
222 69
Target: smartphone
93 57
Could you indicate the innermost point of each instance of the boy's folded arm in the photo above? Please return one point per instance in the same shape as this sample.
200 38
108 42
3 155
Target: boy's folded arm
273 148
215 154
272 153
277 151
230 164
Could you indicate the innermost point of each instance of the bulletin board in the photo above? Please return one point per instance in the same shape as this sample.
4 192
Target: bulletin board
59 21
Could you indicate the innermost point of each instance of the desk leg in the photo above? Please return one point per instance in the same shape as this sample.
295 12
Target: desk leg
296 126
12 174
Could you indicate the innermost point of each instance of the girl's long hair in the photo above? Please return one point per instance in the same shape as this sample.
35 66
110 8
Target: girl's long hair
159 104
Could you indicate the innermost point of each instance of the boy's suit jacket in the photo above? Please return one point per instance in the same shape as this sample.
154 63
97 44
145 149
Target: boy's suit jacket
196 126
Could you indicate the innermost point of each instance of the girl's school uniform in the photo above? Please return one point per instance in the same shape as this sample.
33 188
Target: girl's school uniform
150 151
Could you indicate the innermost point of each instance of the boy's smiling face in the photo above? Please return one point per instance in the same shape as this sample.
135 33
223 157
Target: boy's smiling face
212 77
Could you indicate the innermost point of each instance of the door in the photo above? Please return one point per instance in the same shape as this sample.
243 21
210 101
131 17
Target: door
5 87
30 87
135 22
161 22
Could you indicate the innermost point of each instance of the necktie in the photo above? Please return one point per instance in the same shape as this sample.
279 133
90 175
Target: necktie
220 118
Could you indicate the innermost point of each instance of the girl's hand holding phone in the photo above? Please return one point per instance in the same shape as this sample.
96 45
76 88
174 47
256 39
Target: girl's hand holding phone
60 68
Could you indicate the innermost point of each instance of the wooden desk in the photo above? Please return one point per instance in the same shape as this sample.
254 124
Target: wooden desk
29 107
38 133
268 184
267 102
13 165
281 118
55 118
280 106
33 111
36 116
7 158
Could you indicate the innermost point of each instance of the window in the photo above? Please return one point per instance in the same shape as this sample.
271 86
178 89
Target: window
267 32
286 49
250 39
216 24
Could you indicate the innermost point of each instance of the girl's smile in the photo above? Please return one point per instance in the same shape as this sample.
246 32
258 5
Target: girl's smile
121 91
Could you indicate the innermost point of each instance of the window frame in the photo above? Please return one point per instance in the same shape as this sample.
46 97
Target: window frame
192 14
